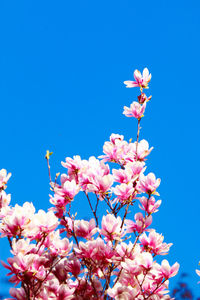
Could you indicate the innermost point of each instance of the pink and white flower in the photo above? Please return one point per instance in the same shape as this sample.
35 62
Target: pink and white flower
150 205
140 224
142 150
17 220
4 177
111 227
136 110
4 199
84 228
168 271
141 80
154 243
148 184
124 191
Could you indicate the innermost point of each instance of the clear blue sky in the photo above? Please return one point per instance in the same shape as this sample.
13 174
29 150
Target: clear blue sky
62 67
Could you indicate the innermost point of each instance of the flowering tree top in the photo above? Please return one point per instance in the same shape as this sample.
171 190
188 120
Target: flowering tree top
111 256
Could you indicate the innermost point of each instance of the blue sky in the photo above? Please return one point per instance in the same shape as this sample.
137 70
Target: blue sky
62 67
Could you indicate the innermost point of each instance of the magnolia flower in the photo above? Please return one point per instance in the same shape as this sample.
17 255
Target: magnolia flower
168 271
148 184
124 191
17 220
154 243
150 205
141 80
142 149
111 227
140 223
135 110
4 199
4 178
122 292
84 228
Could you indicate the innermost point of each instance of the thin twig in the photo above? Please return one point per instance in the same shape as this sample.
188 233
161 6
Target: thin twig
94 213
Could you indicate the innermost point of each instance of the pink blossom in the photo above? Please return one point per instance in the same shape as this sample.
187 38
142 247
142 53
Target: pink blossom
22 246
142 150
65 292
148 184
135 110
85 229
76 167
136 167
68 190
111 227
119 292
60 271
18 293
146 260
25 266
123 152
49 289
122 175
73 266
57 245
91 177
139 225
150 205
64 194
154 243
126 250
124 191
130 173
114 137
100 185
132 266
4 177
17 220
141 80
73 165
168 271
97 252
85 290
115 150
114 153
4 199
43 223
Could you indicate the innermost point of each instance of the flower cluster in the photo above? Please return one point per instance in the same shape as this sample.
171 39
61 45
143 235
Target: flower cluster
55 255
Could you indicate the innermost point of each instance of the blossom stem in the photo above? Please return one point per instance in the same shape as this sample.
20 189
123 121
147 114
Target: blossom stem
137 141
94 213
